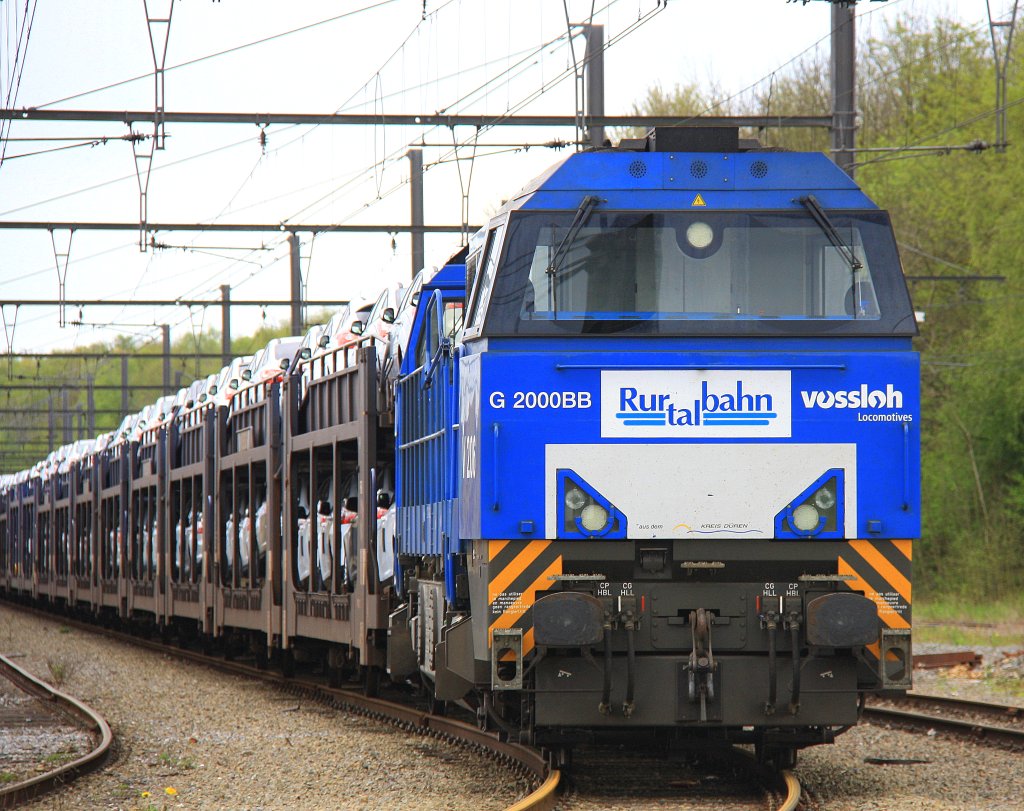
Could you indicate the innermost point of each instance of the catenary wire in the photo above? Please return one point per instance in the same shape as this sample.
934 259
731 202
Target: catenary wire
226 51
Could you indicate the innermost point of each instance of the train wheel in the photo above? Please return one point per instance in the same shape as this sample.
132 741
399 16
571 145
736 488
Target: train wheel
435 705
338 666
786 758
288 663
559 757
775 756
339 676
258 648
371 682
526 731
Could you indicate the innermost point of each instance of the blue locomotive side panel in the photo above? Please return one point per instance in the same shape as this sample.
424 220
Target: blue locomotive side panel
470 477
427 396
694 444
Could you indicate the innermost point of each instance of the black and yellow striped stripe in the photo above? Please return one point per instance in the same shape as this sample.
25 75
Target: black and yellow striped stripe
881 570
516 571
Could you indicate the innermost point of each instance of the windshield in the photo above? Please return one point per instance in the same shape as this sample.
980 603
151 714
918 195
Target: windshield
620 270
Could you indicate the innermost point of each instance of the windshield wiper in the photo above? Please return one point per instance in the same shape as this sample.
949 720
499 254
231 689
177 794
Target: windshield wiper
810 202
588 204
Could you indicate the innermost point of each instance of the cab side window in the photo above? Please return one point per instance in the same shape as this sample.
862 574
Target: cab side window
423 343
453 312
472 273
489 267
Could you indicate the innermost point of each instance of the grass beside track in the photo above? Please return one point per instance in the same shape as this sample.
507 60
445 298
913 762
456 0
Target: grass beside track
960 623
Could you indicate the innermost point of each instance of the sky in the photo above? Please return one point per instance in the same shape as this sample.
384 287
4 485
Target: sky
387 56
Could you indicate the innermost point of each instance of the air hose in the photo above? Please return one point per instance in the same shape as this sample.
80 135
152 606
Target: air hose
605 707
794 632
628 704
769 707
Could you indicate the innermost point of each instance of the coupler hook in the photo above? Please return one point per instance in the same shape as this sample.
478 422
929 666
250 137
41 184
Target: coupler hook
702 665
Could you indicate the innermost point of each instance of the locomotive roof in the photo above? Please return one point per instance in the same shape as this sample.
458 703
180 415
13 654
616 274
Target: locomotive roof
734 179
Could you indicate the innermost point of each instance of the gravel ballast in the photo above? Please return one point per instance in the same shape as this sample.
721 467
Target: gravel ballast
33 737
959 775
189 737
192 738
955 775
998 679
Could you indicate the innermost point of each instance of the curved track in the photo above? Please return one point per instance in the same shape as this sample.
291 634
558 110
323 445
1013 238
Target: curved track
792 792
992 723
518 757
17 793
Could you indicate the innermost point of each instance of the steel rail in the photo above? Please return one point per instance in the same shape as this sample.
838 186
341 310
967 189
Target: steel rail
785 794
988 709
523 758
916 720
16 793
792 791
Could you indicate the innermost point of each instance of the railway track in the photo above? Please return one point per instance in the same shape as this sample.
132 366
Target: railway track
624 777
976 721
60 704
519 758
779 792
997 724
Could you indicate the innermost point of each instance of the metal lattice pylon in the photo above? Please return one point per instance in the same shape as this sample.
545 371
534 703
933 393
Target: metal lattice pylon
1002 41
159 29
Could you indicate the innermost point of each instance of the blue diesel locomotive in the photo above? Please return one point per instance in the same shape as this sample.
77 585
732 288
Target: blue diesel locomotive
668 476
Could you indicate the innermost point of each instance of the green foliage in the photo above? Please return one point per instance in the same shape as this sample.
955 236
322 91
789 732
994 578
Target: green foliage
172 761
965 637
804 90
950 620
253 343
24 436
683 100
61 669
58 758
956 212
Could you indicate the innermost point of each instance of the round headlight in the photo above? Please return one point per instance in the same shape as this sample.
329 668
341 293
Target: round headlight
824 499
805 518
594 517
574 499
700 235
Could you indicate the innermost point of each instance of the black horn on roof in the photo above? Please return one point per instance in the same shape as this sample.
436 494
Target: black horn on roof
693 139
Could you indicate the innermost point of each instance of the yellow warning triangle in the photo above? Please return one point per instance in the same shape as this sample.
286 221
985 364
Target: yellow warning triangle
698 201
